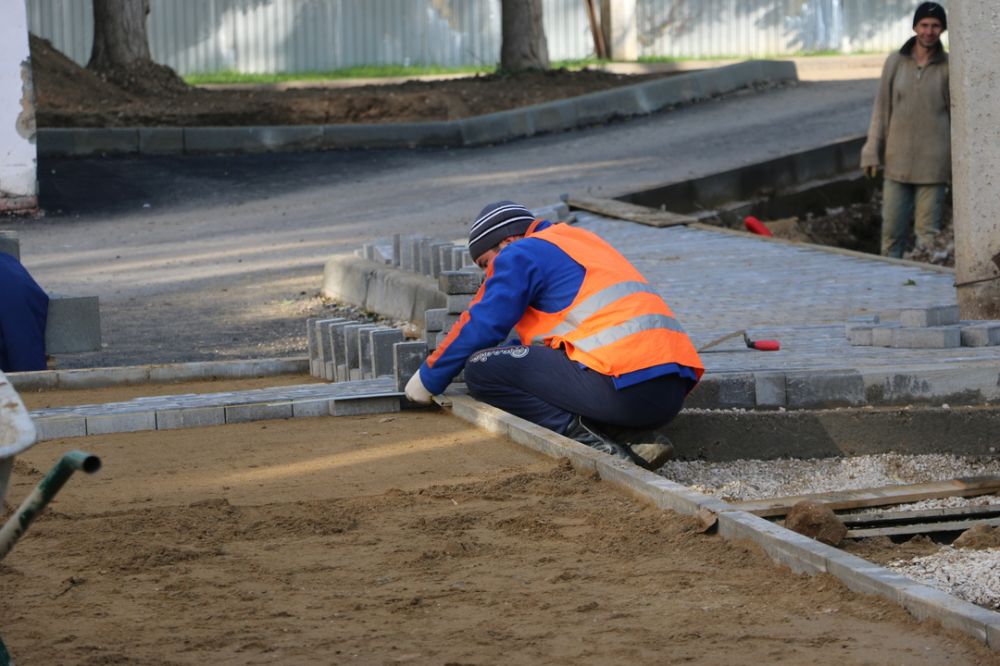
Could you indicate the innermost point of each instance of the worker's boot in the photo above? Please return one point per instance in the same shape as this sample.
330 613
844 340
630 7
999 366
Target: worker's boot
584 432
650 448
653 451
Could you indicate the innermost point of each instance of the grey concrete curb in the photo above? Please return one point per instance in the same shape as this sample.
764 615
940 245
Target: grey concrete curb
799 553
595 108
156 374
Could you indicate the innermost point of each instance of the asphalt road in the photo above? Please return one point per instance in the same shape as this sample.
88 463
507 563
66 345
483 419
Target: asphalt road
197 258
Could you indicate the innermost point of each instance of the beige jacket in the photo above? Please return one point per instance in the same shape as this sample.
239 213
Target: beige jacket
910 131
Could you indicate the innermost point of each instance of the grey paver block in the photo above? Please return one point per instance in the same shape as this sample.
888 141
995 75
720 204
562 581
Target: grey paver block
458 303
321 338
932 337
190 417
97 377
382 344
365 350
359 406
882 335
435 318
824 388
942 315
397 245
57 427
105 424
769 389
447 257
258 412
459 282
982 334
407 357
330 371
310 408
9 243
860 336
351 358
74 324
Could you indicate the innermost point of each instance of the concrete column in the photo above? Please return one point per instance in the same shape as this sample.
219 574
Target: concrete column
621 34
18 156
973 26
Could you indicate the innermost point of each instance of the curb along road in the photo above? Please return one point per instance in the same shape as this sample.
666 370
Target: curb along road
592 109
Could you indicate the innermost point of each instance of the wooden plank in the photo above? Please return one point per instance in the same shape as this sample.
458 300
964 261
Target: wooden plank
626 211
930 515
921 528
887 495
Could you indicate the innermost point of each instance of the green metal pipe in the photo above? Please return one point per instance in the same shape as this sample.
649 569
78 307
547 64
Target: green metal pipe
43 494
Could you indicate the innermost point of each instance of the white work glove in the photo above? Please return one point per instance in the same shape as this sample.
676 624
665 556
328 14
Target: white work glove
416 392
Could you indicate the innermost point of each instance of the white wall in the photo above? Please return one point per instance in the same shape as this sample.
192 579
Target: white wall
17 112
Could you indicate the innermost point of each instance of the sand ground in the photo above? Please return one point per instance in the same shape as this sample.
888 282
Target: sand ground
402 538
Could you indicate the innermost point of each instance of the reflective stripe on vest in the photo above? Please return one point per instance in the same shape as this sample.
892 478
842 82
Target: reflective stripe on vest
600 300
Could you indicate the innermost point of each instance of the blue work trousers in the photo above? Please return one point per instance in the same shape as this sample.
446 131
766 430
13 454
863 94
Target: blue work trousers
544 386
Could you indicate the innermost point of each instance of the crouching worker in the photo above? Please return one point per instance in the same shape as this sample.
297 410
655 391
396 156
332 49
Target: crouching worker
24 309
600 358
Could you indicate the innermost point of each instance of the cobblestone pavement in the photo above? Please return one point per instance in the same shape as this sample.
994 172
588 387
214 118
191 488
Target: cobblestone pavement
718 283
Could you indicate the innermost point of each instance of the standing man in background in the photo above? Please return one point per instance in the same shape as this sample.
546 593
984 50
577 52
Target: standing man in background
910 133
24 309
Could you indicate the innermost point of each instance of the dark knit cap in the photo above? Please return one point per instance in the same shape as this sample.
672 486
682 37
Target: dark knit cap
495 223
930 10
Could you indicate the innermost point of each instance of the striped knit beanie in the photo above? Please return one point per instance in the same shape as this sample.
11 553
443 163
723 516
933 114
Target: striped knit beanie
495 223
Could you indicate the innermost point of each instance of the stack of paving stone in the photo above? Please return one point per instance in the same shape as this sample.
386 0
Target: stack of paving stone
342 350
922 328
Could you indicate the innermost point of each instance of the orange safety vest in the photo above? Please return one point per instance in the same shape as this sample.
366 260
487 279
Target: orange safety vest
617 323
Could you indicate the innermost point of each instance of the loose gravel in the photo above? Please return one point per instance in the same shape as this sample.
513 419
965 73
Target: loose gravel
972 575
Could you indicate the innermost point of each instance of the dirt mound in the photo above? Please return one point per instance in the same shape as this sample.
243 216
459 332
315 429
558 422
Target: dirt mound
71 96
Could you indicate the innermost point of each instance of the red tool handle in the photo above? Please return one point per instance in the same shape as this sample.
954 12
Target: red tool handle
765 345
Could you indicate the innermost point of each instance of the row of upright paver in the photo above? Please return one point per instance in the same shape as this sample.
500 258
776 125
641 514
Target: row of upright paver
922 328
345 350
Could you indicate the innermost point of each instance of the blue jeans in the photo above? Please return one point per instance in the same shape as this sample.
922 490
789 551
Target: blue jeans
544 386
903 203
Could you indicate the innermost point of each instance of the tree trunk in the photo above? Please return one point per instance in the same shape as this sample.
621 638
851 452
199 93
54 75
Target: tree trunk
524 45
121 49
120 36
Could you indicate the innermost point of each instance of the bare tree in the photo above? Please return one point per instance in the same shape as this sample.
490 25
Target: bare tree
121 48
524 45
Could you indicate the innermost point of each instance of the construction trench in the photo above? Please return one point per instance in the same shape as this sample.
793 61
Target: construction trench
828 416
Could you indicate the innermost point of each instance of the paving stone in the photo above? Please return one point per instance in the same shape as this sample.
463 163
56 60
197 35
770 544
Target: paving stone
333 348
311 408
368 250
190 417
459 282
882 335
330 371
434 319
860 336
97 377
406 360
397 242
932 337
458 303
378 404
406 253
446 257
981 334
382 345
942 315
58 427
365 351
769 389
435 257
324 342
258 412
834 388
425 256
351 358
728 391
121 422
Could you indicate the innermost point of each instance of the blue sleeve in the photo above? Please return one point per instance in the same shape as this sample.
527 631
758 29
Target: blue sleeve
514 280
24 309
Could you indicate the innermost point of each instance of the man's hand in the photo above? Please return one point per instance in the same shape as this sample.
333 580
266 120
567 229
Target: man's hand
416 392
871 171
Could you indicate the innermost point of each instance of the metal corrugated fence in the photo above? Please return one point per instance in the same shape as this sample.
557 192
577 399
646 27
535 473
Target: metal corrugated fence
303 35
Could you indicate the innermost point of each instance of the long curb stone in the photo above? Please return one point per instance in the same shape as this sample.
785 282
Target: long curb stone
391 292
156 374
595 108
799 553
